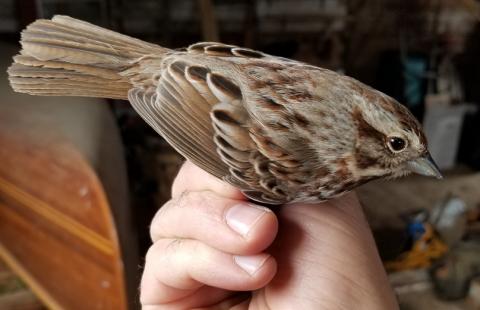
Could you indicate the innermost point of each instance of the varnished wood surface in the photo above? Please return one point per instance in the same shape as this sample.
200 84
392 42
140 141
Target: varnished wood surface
47 299
28 161
13 293
21 300
56 228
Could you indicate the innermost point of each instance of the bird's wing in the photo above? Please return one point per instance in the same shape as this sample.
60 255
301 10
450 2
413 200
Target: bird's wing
178 112
201 114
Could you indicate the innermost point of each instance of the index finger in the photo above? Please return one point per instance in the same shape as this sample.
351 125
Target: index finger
191 178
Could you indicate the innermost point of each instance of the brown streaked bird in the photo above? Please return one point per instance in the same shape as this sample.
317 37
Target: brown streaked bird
280 130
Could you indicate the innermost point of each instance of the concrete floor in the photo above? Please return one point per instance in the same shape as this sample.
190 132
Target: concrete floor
426 300
383 201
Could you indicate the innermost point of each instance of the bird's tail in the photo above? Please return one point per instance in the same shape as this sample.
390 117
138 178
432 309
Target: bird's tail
68 57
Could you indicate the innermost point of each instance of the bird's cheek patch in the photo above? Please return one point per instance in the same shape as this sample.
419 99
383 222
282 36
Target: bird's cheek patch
365 160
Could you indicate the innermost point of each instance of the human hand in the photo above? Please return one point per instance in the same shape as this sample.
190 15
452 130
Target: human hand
214 250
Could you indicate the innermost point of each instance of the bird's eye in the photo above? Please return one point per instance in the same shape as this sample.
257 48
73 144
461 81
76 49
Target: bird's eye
396 144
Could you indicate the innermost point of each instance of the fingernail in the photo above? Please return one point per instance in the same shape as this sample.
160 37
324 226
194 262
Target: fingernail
243 217
251 264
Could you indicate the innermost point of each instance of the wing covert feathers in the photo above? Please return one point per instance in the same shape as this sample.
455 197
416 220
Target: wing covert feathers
201 114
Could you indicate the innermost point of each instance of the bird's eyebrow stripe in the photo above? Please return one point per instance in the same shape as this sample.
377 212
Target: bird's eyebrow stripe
364 128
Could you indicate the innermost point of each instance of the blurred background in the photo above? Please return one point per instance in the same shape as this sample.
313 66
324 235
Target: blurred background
80 179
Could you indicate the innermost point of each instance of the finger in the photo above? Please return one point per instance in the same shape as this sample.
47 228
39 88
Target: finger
176 268
192 178
206 297
231 226
203 297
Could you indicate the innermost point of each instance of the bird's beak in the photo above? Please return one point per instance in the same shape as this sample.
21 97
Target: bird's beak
425 166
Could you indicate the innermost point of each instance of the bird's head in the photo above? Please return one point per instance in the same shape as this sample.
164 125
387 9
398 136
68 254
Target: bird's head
390 141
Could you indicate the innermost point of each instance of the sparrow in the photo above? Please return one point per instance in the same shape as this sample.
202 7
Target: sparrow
280 130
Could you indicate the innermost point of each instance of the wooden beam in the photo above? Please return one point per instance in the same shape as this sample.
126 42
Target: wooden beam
209 21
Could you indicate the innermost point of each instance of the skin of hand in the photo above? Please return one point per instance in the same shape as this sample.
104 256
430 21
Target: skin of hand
214 250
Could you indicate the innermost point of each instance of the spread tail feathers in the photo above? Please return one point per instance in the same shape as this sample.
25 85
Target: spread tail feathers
68 57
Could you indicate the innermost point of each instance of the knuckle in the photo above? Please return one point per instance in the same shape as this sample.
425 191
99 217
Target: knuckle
205 203
156 224
209 205
190 205
162 249
184 200
174 244
188 199
152 253
204 255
